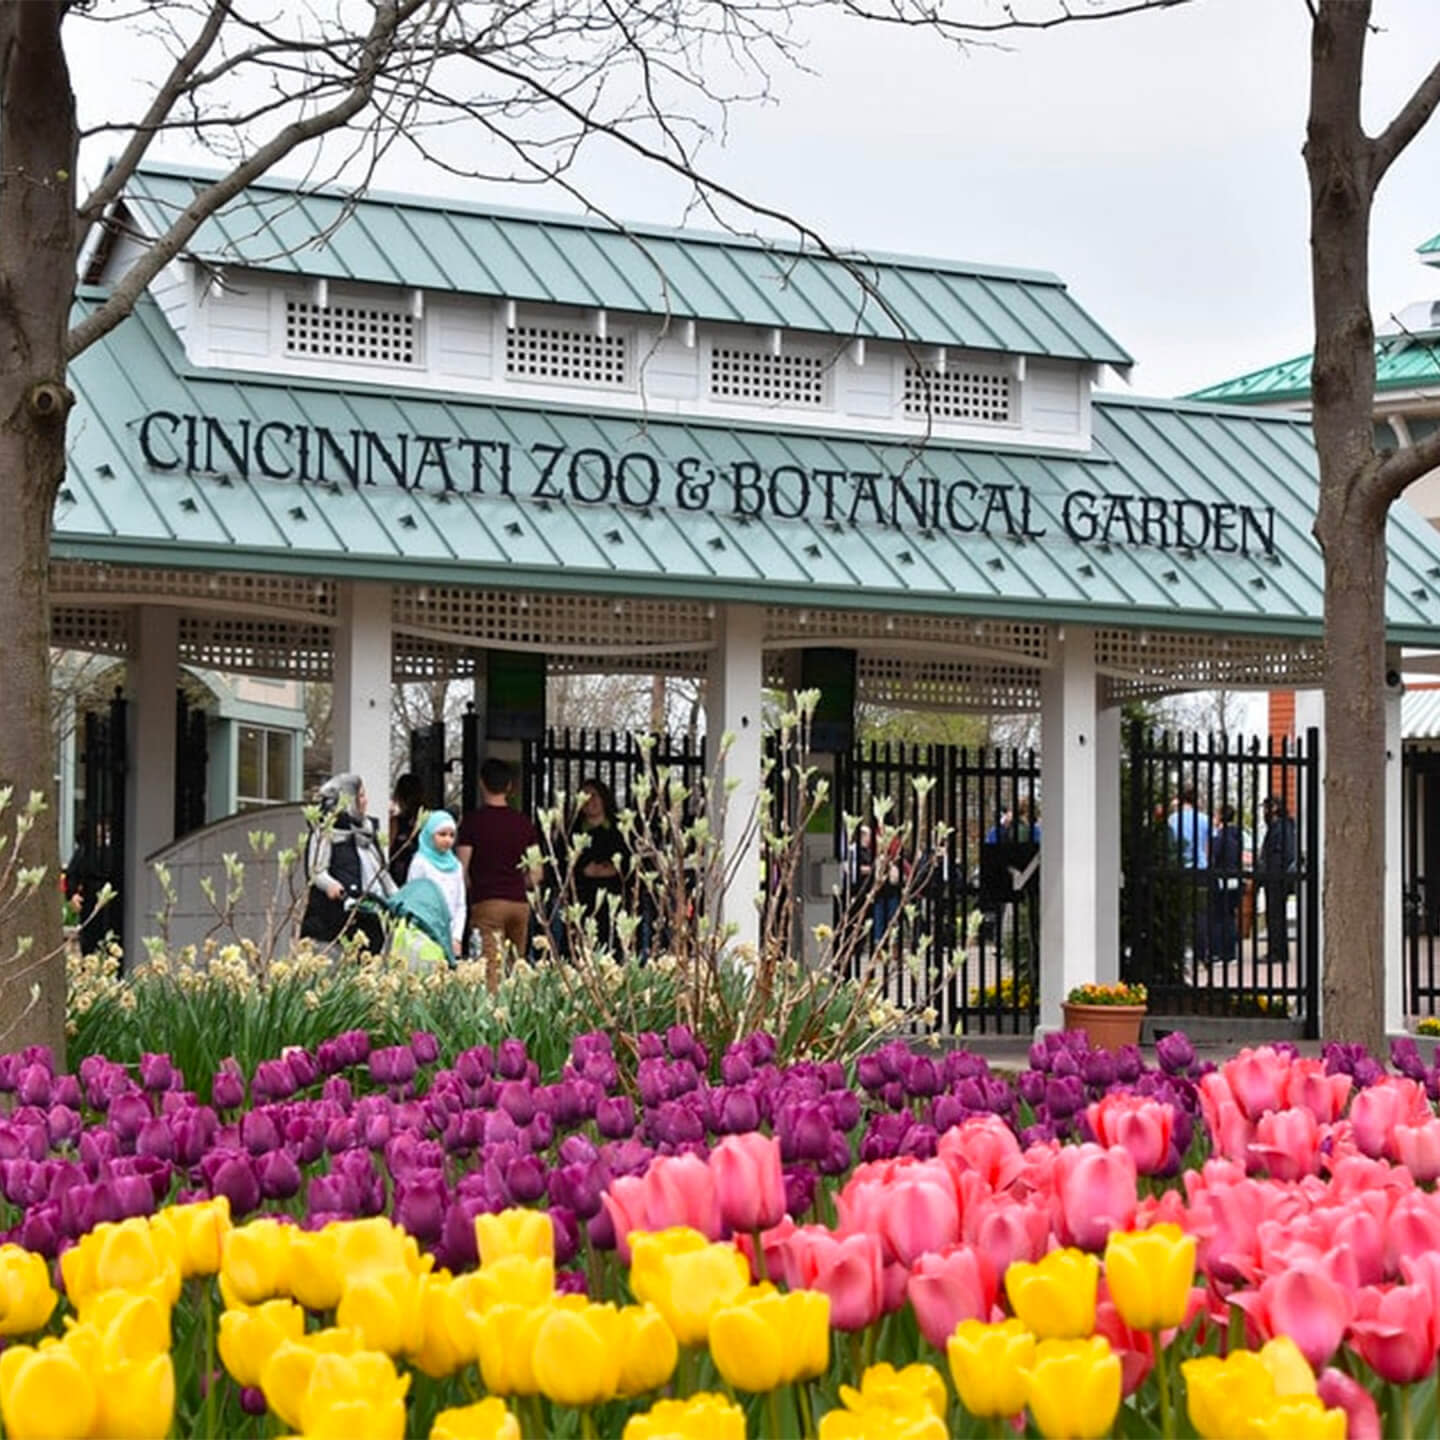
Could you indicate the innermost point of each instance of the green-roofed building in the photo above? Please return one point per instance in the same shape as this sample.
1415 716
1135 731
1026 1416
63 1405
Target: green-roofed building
373 439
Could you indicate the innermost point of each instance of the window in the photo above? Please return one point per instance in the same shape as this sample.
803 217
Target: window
264 764
580 357
767 378
381 334
962 393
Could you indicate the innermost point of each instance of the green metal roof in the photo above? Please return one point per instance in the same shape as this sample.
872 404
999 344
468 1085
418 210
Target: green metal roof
114 508
1401 362
568 260
1430 247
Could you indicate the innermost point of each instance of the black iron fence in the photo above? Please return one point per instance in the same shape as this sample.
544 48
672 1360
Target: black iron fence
99 856
1420 809
1220 853
976 896
564 759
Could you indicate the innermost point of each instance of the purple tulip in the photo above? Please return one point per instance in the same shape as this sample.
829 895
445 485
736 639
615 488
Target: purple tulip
922 1079
578 1187
83 1207
422 1201
341 1134
96 1148
1064 1096
1175 1052
1129 1064
354 1046
844 1108
259 1133
304 1072
511 1061
735 1066
66 1091
273 1080
1031 1085
227 1091
131 1195
125 1115
252 1400
10 1067
739 1112
946 1112
192 1132
33 1085
156 1138
333 1194
336 1091
329 1057
525 1180
278 1174
63 1125
800 1184
474 1066
24 1182
40 1230
615 1117
157 1072
457 1240
425 1047
601 1230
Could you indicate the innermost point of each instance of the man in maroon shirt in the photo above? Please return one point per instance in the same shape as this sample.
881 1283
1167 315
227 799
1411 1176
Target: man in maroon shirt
491 845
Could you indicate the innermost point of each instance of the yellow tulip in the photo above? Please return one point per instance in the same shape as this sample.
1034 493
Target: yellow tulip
1074 1388
485 1420
1056 1296
27 1298
248 1338
515 1280
917 1391
649 1250
687 1285
376 1244
123 1256
1222 1394
137 1399
357 1420
315 1277
648 1350
448 1339
577 1355
367 1378
1149 1274
385 1306
285 1376
505 1347
46 1393
758 1344
198 1232
705 1416
130 1325
1297 1417
254 1261
1289 1369
989 1365
530 1233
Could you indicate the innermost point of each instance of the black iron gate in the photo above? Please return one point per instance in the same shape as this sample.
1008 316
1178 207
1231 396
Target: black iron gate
1420 809
1221 896
562 760
427 763
976 897
192 759
99 856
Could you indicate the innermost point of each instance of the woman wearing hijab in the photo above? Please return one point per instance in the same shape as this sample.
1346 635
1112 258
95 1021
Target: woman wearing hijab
435 860
344 861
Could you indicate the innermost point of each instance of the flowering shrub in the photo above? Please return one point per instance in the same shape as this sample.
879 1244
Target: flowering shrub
1119 993
651 1240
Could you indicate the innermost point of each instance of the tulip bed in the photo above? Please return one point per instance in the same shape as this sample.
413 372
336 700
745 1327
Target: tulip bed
364 1240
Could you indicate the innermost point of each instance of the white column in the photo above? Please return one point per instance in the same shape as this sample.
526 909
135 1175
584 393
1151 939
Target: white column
1107 844
1394 857
362 689
151 678
733 708
1069 869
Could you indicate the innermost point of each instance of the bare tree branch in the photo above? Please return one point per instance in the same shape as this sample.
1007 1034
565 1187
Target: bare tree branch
1401 468
1406 125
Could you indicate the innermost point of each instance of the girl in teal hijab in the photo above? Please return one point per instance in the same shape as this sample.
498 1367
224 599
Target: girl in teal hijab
435 860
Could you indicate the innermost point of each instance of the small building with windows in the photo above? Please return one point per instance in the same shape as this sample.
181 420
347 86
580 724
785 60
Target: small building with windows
371 439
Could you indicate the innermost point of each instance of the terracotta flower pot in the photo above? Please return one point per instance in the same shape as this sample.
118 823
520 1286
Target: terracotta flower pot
1108 1027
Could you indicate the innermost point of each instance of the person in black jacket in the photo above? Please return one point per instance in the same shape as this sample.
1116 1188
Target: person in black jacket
1225 880
1277 876
344 861
406 816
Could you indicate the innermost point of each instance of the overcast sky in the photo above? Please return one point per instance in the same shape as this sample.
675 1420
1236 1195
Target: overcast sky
1152 161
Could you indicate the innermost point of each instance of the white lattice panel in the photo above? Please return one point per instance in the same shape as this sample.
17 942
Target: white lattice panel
420 659
589 624
576 357
93 628
284 649
1140 663
296 594
677 662
860 627
904 682
375 334
766 378
968 393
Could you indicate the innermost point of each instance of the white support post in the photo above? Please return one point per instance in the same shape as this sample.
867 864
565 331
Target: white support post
1069 872
1107 845
733 708
1394 857
363 649
153 674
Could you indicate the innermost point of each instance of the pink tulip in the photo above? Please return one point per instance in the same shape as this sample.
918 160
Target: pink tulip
1094 1194
1377 1110
851 1271
1303 1303
1324 1096
1230 1131
1360 1233
749 1184
958 1284
921 1214
1257 1080
680 1190
1417 1148
1287 1144
1412 1230
624 1202
986 1145
1008 1230
1396 1333
1338 1391
1140 1125
1136 1348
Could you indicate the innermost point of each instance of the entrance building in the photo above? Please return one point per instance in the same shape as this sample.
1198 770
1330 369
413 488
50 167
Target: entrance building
385 439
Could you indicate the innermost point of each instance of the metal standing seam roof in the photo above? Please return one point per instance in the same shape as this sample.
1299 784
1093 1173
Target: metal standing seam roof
113 508
1420 713
570 260
1401 362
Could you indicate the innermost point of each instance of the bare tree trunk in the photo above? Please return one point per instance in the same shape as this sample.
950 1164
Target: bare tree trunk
37 277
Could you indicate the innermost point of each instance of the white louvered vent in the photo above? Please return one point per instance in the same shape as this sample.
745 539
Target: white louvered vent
760 375
578 357
377 334
960 394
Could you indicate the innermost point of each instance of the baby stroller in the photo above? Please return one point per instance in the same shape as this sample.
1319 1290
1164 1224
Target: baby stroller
416 922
